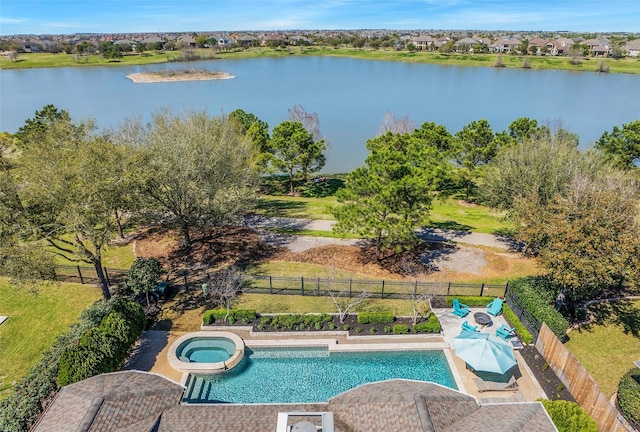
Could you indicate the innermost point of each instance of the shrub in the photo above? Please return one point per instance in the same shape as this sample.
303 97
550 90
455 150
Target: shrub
569 416
103 348
332 326
387 329
536 294
372 330
432 325
375 317
358 329
244 315
346 327
400 329
469 300
629 395
515 322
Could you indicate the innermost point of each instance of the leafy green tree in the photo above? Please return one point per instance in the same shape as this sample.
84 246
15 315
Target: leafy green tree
386 200
67 191
588 238
143 276
199 171
435 135
622 145
35 128
256 130
474 146
295 151
523 128
140 47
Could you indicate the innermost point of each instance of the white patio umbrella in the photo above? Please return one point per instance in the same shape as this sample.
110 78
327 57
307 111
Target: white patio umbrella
484 352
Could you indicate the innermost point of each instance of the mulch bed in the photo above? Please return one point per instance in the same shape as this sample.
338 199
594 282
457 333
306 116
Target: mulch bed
549 381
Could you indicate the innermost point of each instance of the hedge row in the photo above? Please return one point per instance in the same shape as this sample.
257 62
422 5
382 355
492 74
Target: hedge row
534 293
522 332
375 317
473 301
104 348
33 393
244 315
629 396
299 321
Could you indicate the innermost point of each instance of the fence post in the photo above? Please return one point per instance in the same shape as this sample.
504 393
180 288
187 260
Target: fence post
302 284
481 290
80 274
186 282
270 285
382 296
318 290
448 288
350 287
506 288
106 276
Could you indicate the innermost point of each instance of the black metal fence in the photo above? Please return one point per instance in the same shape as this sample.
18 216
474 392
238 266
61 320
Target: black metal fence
287 285
529 321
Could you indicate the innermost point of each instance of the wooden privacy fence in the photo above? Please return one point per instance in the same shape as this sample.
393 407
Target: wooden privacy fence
287 285
581 385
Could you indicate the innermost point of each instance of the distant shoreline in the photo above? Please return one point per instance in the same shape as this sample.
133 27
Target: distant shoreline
178 75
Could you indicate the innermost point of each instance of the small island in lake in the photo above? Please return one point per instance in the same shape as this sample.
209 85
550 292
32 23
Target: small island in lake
178 75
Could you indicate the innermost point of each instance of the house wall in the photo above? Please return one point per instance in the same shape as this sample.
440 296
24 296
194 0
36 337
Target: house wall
581 385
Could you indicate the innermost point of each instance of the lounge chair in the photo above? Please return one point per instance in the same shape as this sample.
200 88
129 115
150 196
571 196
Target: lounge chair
505 332
468 327
460 309
495 307
483 385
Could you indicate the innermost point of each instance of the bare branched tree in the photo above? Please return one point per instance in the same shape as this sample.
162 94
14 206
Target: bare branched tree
225 286
344 304
310 121
419 298
393 124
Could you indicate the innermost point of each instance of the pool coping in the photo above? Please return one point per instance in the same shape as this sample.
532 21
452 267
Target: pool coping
206 368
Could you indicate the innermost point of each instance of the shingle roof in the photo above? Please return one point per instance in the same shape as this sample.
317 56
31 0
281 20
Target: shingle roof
139 401
118 401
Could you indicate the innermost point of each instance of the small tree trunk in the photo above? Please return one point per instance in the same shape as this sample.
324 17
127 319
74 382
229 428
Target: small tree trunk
97 263
120 231
185 234
291 182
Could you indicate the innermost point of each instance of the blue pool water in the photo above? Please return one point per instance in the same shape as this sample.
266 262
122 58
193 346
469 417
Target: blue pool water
277 375
206 350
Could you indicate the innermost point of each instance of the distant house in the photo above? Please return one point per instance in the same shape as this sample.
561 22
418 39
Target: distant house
560 46
424 42
247 41
632 48
465 44
188 40
598 47
504 45
153 40
538 44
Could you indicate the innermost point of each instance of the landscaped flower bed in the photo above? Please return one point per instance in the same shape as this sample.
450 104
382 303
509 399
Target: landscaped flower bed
362 324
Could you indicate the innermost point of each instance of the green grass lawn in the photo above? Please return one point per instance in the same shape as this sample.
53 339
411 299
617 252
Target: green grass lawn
627 65
35 320
450 213
113 257
608 348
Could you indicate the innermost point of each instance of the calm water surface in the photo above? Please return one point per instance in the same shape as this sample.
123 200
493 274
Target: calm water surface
281 375
350 96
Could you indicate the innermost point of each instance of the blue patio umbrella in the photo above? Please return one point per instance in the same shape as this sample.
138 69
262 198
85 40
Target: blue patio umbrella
484 352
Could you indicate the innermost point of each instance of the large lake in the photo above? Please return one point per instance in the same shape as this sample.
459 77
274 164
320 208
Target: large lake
350 96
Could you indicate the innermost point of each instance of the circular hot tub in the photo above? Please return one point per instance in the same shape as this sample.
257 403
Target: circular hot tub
206 352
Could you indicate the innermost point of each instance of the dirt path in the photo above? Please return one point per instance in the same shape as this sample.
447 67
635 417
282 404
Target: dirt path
429 234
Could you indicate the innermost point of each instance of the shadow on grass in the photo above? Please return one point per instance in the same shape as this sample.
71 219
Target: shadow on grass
280 208
451 225
622 313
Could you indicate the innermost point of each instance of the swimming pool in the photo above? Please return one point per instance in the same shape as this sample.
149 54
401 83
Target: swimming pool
287 375
206 349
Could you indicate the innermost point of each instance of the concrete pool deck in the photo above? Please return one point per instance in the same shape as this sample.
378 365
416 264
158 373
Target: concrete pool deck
152 352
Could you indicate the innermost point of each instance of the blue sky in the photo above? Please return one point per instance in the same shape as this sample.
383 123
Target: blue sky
133 16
